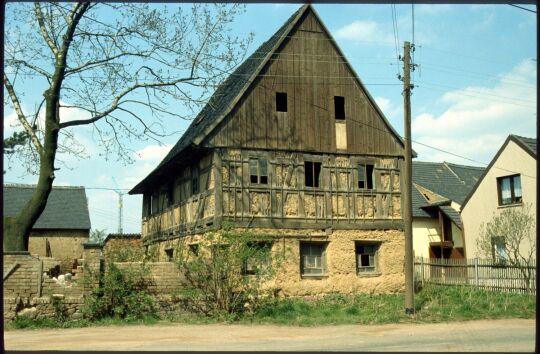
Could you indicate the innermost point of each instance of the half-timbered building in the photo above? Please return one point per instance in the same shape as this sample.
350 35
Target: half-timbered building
292 145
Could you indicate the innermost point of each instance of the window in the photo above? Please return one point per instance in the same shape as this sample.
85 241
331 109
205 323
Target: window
281 101
339 107
258 258
312 171
170 193
509 190
258 171
169 254
194 180
194 249
154 202
499 249
365 176
312 258
366 257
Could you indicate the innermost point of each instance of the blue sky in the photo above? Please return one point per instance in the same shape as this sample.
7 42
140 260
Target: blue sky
475 84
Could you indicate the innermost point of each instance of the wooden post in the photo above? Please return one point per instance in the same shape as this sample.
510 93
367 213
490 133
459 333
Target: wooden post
476 272
407 190
422 269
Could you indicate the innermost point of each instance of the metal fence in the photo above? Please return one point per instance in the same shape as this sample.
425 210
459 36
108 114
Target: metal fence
481 273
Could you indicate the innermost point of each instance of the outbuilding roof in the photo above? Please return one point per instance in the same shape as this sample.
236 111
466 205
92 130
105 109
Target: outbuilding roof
451 181
67 207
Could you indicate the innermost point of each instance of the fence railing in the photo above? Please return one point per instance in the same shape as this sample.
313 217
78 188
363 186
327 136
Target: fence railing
481 273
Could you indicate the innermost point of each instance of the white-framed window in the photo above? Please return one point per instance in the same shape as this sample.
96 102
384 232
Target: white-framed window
313 258
498 245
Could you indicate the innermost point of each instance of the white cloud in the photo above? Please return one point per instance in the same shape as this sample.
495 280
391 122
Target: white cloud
387 107
478 119
154 152
365 31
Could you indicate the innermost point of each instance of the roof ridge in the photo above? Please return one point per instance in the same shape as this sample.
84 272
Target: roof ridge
24 185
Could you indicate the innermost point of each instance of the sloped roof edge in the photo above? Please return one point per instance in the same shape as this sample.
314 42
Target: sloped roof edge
516 139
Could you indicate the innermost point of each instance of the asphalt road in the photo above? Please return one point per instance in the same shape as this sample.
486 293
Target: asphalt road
513 335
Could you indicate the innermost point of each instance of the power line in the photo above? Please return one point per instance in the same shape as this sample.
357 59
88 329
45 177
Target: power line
523 8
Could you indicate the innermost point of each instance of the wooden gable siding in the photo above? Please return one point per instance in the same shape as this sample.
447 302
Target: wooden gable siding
310 70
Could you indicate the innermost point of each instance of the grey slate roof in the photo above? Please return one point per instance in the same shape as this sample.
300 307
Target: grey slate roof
67 207
528 143
451 181
452 214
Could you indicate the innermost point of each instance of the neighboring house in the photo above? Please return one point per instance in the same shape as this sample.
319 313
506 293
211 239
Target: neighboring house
63 226
292 145
508 182
439 189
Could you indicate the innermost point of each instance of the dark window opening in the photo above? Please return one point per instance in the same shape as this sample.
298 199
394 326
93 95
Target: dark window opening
281 101
169 253
194 249
258 171
312 171
339 107
366 257
154 204
194 181
170 194
365 176
509 190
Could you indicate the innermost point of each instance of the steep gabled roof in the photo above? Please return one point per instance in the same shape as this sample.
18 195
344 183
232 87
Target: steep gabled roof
67 207
527 144
451 181
233 88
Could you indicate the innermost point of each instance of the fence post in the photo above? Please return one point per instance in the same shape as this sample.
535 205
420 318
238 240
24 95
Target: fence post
422 270
476 271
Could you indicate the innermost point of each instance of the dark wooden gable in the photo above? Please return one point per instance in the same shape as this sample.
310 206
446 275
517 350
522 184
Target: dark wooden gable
311 69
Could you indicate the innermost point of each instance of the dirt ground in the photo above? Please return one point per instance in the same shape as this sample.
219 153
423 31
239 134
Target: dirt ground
486 335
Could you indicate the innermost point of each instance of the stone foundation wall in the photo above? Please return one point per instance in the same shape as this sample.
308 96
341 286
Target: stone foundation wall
163 278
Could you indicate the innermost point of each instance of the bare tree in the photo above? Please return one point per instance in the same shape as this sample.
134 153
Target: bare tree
510 238
128 67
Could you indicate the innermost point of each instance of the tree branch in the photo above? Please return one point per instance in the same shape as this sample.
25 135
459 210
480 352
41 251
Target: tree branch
20 115
116 102
43 29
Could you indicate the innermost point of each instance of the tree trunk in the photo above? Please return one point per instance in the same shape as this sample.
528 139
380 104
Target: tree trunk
17 229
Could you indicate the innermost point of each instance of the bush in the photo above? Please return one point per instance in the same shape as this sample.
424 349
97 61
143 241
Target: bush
122 294
224 277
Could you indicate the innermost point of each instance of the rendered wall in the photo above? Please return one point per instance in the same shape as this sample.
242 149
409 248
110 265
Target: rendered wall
341 274
66 245
425 230
484 204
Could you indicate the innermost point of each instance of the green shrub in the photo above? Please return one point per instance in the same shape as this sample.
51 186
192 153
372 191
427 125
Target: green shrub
122 294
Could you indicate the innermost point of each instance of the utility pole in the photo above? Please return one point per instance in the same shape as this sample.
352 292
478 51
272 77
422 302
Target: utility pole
120 207
407 179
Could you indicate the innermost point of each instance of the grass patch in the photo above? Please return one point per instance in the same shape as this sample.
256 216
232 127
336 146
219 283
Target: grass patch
433 304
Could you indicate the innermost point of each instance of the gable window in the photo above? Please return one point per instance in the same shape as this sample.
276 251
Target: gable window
312 172
339 107
312 258
365 176
367 255
258 258
194 180
509 189
281 101
258 171
499 249
170 193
